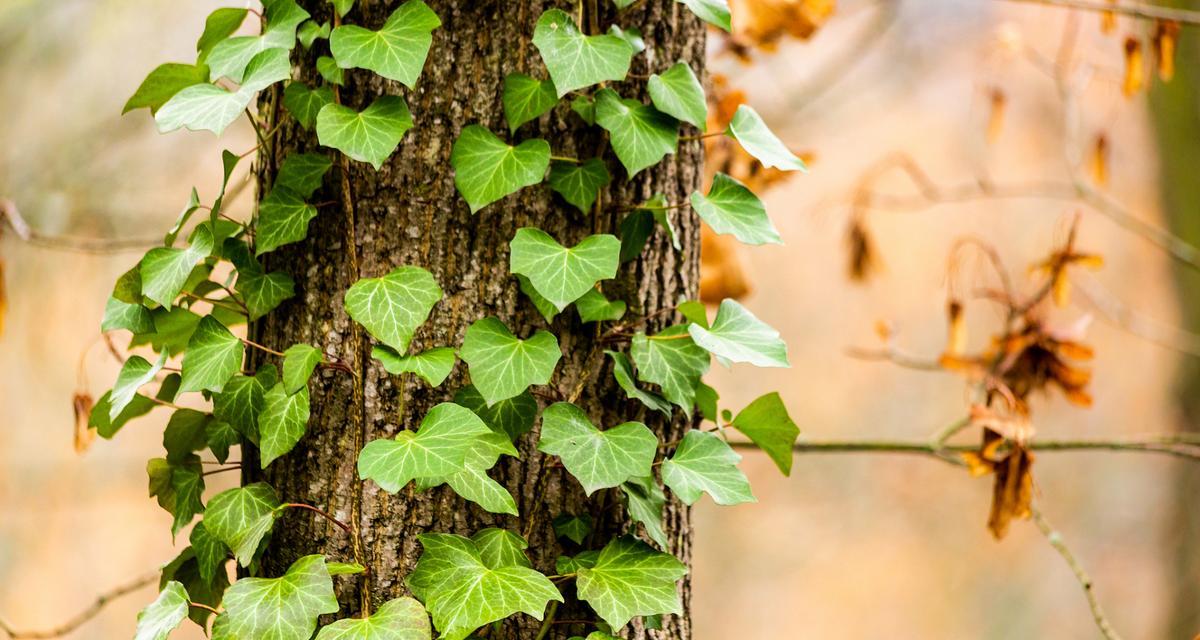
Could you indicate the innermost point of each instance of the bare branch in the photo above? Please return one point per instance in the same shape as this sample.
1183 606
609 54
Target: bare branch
1136 10
84 616
1056 541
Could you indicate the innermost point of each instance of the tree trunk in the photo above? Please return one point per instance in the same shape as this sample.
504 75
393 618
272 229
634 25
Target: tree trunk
408 213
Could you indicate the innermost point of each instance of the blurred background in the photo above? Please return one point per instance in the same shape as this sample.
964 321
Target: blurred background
850 546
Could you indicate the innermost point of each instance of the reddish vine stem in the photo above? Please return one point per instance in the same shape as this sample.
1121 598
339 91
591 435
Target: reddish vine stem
324 514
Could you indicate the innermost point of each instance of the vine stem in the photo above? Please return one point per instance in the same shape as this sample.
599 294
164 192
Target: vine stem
566 159
251 343
328 516
1085 581
548 621
84 616
702 136
198 605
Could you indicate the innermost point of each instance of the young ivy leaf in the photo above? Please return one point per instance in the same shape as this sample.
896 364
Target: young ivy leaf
342 6
284 608
572 527
641 135
220 25
502 365
242 401
473 482
598 459
463 592
178 486
560 274
310 32
487 169
630 579
399 619
594 307
283 218
135 373
305 103
164 270
677 92
704 463
108 427
579 184
513 417
730 207
211 553
231 57
714 12
738 336
131 317
630 35
543 306
240 518
585 108
214 355
766 422
392 307
526 99
161 617
299 362
330 71
574 60
434 365
163 83
501 548
635 231
262 292
671 360
623 373
183 569
303 173
397 51
370 136
208 107
437 449
644 500
748 128
282 423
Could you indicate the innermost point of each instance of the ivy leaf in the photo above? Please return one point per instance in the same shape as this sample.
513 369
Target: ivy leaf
543 306
730 207
164 270
635 231
644 500
220 436
434 365
108 427
243 399
163 83
392 307
503 365
487 169
310 32
585 108
501 548
214 355
131 317
766 422
579 184
473 482
333 74
748 128
630 579
513 416
714 12
572 527
283 218
437 449
161 617
178 487
283 421
219 25
561 274
344 568
738 336
210 552
630 35
172 329
240 518
706 401
564 564
397 51
231 57
594 307
342 6
526 99
641 135
305 103
371 136
208 107
574 60
183 569
704 463
299 362
135 373
623 373
284 608
598 459
399 619
303 173
463 592
677 92
672 361
262 292
185 434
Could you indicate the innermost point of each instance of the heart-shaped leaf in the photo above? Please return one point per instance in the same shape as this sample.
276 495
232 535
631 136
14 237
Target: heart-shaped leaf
677 92
502 365
526 99
598 459
486 168
737 336
641 135
560 274
370 136
730 207
574 60
392 307
396 51
748 128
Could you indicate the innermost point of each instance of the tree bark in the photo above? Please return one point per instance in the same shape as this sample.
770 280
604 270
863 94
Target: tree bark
409 213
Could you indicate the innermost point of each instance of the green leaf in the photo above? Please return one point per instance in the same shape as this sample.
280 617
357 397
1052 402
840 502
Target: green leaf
303 173
631 35
284 608
561 274
263 292
128 288
211 553
543 306
502 365
574 60
630 579
178 487
220 436
164 270
437 449
572 527
672 361
473 482
172 329
243 399
397 51
657 207
706 401
333 74
220 24
594 307
714 12
526 99
513 416
310 32
463 592
766 422
161 617
644 500
399 619
750 130
163 83
635 230
108 427
283 421
738 336
231 57
131 317
345 568
694 311
392 307
299 362
342 6
135 373
305 102
501 548
677 92
585 108
704 463
623 373
487 169
208 107
191 207
283 218
240 518
434 365
598 459
564 565
185 434
214 355
730 207
641 135
579 184
371 136
183 569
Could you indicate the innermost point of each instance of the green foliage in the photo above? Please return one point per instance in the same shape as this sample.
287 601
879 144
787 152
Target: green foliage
574 60
399 619
573 528
630 579
161 617
242 401
750 130
231 57
579 183
644 500
703 463
526 99
283 608
221 24
598 459
437 449
594 307
241 517
342 6
512 416
208 107
305 103
473 483
502 365
714 12
434 365
163 83
766 422
487 169
624 375
397 51
368 136
282 422
560 274
164 270
738 336
299 362
393 306
135 373
730 207
677 92
672 361
641 135
213 356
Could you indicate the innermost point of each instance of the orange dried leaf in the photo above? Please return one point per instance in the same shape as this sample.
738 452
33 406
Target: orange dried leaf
1012 494
864 260
82 404
1166 37
763 23
956 342
1098 159
1135 73
995 125
722 274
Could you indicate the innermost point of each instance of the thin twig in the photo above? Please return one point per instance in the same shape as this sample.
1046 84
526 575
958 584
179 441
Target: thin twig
1056 541
87 614
1136 10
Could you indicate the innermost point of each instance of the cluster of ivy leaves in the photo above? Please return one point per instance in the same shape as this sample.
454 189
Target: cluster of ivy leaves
461 583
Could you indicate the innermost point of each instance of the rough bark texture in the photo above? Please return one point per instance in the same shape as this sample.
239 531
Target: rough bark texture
409 213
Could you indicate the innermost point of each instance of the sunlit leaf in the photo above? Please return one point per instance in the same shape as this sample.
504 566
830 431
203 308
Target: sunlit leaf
487 169
750 130
579 183
502 365
434 365
766 422
630 579
396 51
282 422
677 92
240 518
730 207
526 99
370 136
283 608
437 449
704 463
738 336
641 135
399 619
598 459
574 60
393 306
